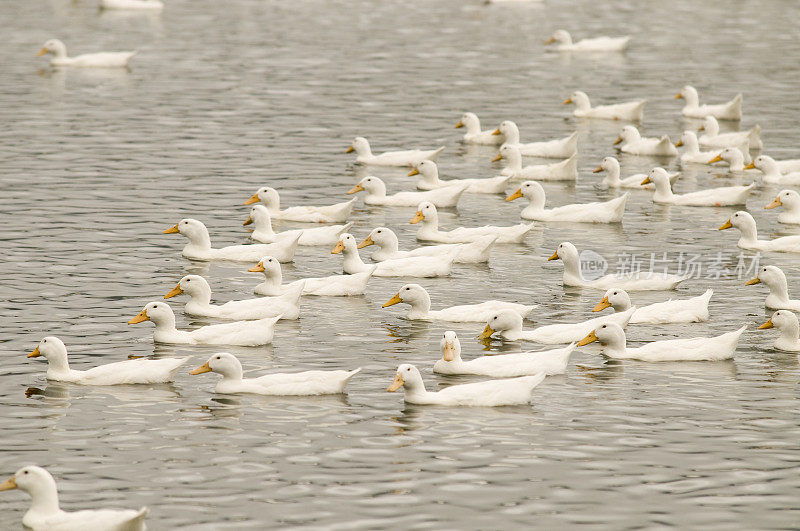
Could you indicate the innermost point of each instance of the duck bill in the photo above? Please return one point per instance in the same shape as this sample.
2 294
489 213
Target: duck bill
515 195
171 230
35 353
356 188
602 305
554 256
173 292
413 172
258 268
10 483
551 40
618 140
350 149
701 128
449 352
253 199
201 369
139 318
394 300
498 157
750 166
679 143
678 97
41 52
597 169
419 216
396 384
366 243
646 181
775 203
753 281
339 247
248 221
726 225
496 132
766 325
487 332
590 338
567 101
459 125
715 159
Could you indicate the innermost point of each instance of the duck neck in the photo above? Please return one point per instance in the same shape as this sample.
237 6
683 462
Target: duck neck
779 289
44 499
691 98
263 225
537 201
621 305
711 128
352 261
572 267
273 279
473 126
165 323
430 175
615 347
200 297
200 240
419 307
430 224
514 160
58 365
511 134
790 332
736 162
692 144
663 188
612 173
770 169
377 189
749 232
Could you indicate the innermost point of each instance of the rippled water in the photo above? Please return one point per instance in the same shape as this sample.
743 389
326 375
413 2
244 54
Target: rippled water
226 97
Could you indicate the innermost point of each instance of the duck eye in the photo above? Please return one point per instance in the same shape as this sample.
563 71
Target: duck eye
24 471
44 341
408 368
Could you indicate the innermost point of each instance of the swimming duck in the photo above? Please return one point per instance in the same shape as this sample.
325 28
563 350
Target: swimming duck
611 166
429 180
733 156
599 212
630 111
566 170
749 235
789 200
337 213
596 44
286 305
376 194
649 281
508 324
549 362
410 157
560 148
725 196
239 333
88 60
306 383
136 371
45 513
262 221
417 297
415 266
633 143
612 337
429 230
786 323
199 246
331 286
772 171
489 393
474 135
731 110
775 280
783 166
389 248
693 153
713 138
149 5
692 310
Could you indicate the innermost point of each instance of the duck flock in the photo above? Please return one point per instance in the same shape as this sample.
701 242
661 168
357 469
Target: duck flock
508 379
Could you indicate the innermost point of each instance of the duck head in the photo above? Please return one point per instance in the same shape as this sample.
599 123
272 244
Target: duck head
426 213
222 363
407 376
450 346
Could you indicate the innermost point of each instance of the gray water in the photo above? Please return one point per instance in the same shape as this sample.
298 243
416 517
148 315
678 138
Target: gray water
226 97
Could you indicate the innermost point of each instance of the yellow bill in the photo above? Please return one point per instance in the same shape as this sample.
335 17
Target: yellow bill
201 369
171 230
350 149
394 300
726 225
356 188
766 325
750 166
487 332
35 353
775 204
715 159
602 305
396 384
515 195
258 268
366 243
339 247
139 318
590 338
253 199
753 281
10 483
413 172
419 216
173 292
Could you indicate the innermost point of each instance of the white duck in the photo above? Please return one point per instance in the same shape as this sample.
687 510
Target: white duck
731 110
633 143
306 383
560 148
415 266
786 323
508 324
474 135
566 170
630 111
262 221
782 166
135 371
598 212
611 166
286 305
775 280
734 157
474 252
238 333
649 281
46 515
429 180
429 229
417 297
337 213
693 153
790 201
199 246
772 171
331 286
88 60
146 5
725 196
716 348
596 44
749 235
549 362
713 138
410 157
376 194
489 393
692 310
